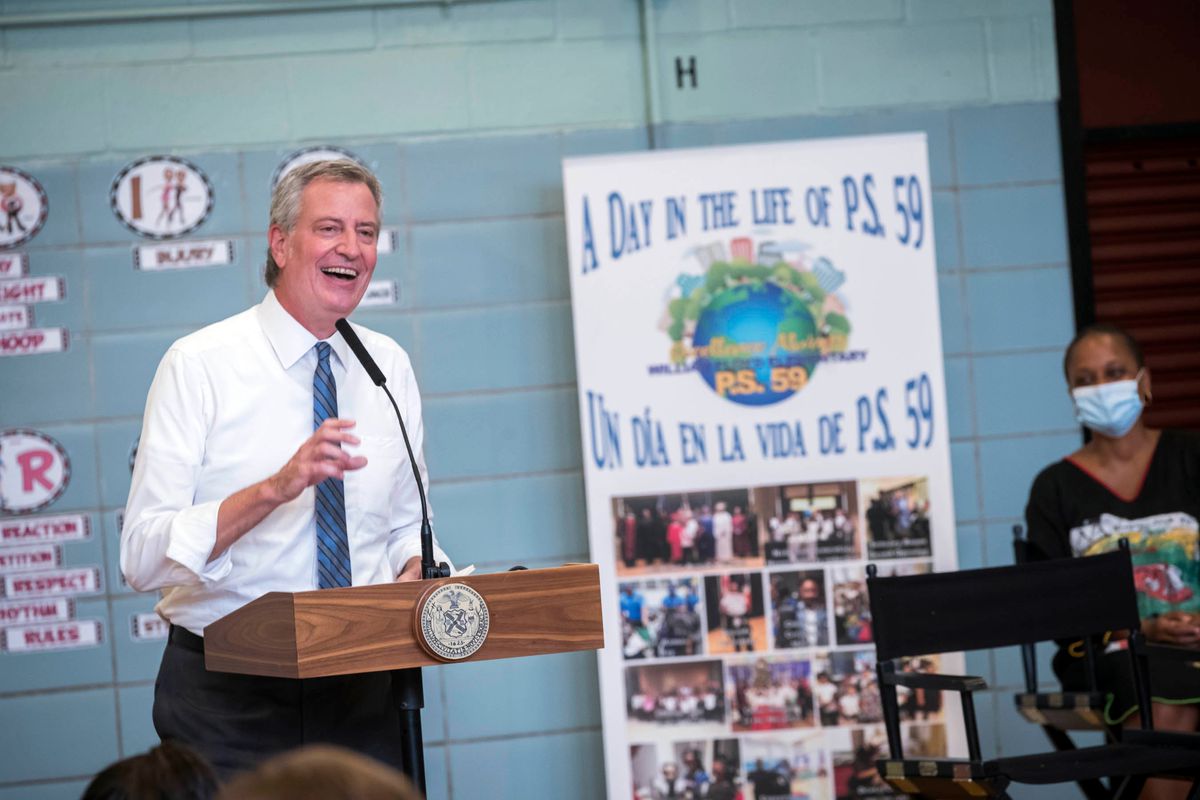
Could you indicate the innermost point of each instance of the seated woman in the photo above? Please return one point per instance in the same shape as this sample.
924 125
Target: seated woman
1129 481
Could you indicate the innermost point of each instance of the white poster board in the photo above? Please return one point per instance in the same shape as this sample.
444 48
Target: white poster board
762 409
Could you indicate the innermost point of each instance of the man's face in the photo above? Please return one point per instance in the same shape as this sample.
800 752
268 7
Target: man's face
810 593
327 260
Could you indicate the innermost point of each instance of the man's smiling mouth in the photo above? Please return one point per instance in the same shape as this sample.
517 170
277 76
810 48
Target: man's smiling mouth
341 273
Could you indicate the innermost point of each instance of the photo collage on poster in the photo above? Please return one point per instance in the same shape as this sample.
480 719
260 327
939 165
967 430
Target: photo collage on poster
746 637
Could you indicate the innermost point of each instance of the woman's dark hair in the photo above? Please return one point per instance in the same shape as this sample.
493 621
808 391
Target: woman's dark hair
171 771
1105 329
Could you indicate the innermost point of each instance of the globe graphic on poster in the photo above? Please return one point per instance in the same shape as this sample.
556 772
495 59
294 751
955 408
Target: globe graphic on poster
742 330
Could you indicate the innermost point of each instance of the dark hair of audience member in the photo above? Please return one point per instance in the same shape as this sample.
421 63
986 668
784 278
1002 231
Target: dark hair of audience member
171 771
1105 329
320 772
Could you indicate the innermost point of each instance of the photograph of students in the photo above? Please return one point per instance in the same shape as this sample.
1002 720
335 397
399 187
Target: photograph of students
686 530
897 517
660 618
812 522
688 695
769 693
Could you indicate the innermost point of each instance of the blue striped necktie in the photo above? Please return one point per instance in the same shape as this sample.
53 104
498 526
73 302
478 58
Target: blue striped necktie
333 548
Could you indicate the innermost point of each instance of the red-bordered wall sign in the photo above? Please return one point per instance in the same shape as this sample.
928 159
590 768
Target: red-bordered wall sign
23 207
308 155
161 197
34 470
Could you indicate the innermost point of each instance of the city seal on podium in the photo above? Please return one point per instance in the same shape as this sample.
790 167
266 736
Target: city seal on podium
452 622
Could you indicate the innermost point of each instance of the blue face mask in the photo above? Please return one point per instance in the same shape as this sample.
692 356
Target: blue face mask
1109 408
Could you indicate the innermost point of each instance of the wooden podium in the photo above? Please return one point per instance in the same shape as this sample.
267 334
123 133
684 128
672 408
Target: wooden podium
375 628
371 628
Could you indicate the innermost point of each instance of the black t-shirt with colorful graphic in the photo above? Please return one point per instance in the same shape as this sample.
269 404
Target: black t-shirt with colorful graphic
1071 513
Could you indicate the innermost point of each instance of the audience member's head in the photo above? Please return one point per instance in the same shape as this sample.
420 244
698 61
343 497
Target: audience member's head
170 771
1117 334
320 772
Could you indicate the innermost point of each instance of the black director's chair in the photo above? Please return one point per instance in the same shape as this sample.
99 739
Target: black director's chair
982 609
1059 712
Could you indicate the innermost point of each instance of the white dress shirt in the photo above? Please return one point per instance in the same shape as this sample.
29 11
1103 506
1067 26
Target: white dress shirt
229 405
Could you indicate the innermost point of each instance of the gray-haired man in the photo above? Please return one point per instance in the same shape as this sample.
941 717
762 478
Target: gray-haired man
268 461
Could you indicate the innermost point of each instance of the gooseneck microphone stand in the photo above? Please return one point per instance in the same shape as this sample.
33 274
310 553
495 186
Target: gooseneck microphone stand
407 686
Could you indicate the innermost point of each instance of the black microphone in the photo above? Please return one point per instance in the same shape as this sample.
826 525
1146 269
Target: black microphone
429 569
364 358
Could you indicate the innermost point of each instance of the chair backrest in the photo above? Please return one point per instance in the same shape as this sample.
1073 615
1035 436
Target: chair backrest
979 609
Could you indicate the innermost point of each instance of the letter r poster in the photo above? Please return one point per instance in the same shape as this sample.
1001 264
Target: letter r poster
762 409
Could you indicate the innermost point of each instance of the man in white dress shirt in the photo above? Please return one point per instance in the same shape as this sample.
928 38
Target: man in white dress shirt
224 501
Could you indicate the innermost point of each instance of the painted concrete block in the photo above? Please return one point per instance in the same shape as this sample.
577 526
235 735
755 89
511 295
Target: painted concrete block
954 315
54 45
1013 226
161 115
1006 144
776 13
566 765
959 397
125 366
283 34
116 441
510 521
137 658
582 82
423 90
587 19
945 229
522 696
975 9
699 16
47 387
497 176
82 723
137 726
1021 392
965 476
1008 467
858 65
509 348
1014 309
516 20
60 111
502 434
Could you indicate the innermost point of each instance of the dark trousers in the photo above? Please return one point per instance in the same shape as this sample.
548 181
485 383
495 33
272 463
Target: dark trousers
237 721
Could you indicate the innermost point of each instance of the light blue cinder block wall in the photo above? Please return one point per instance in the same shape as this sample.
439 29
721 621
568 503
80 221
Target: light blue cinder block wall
466 112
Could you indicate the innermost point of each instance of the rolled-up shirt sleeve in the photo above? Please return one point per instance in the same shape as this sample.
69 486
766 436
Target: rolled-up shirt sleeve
167 536
404 542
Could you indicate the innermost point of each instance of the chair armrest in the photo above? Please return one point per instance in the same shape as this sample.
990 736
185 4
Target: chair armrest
1171 652
1190 741
926 680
